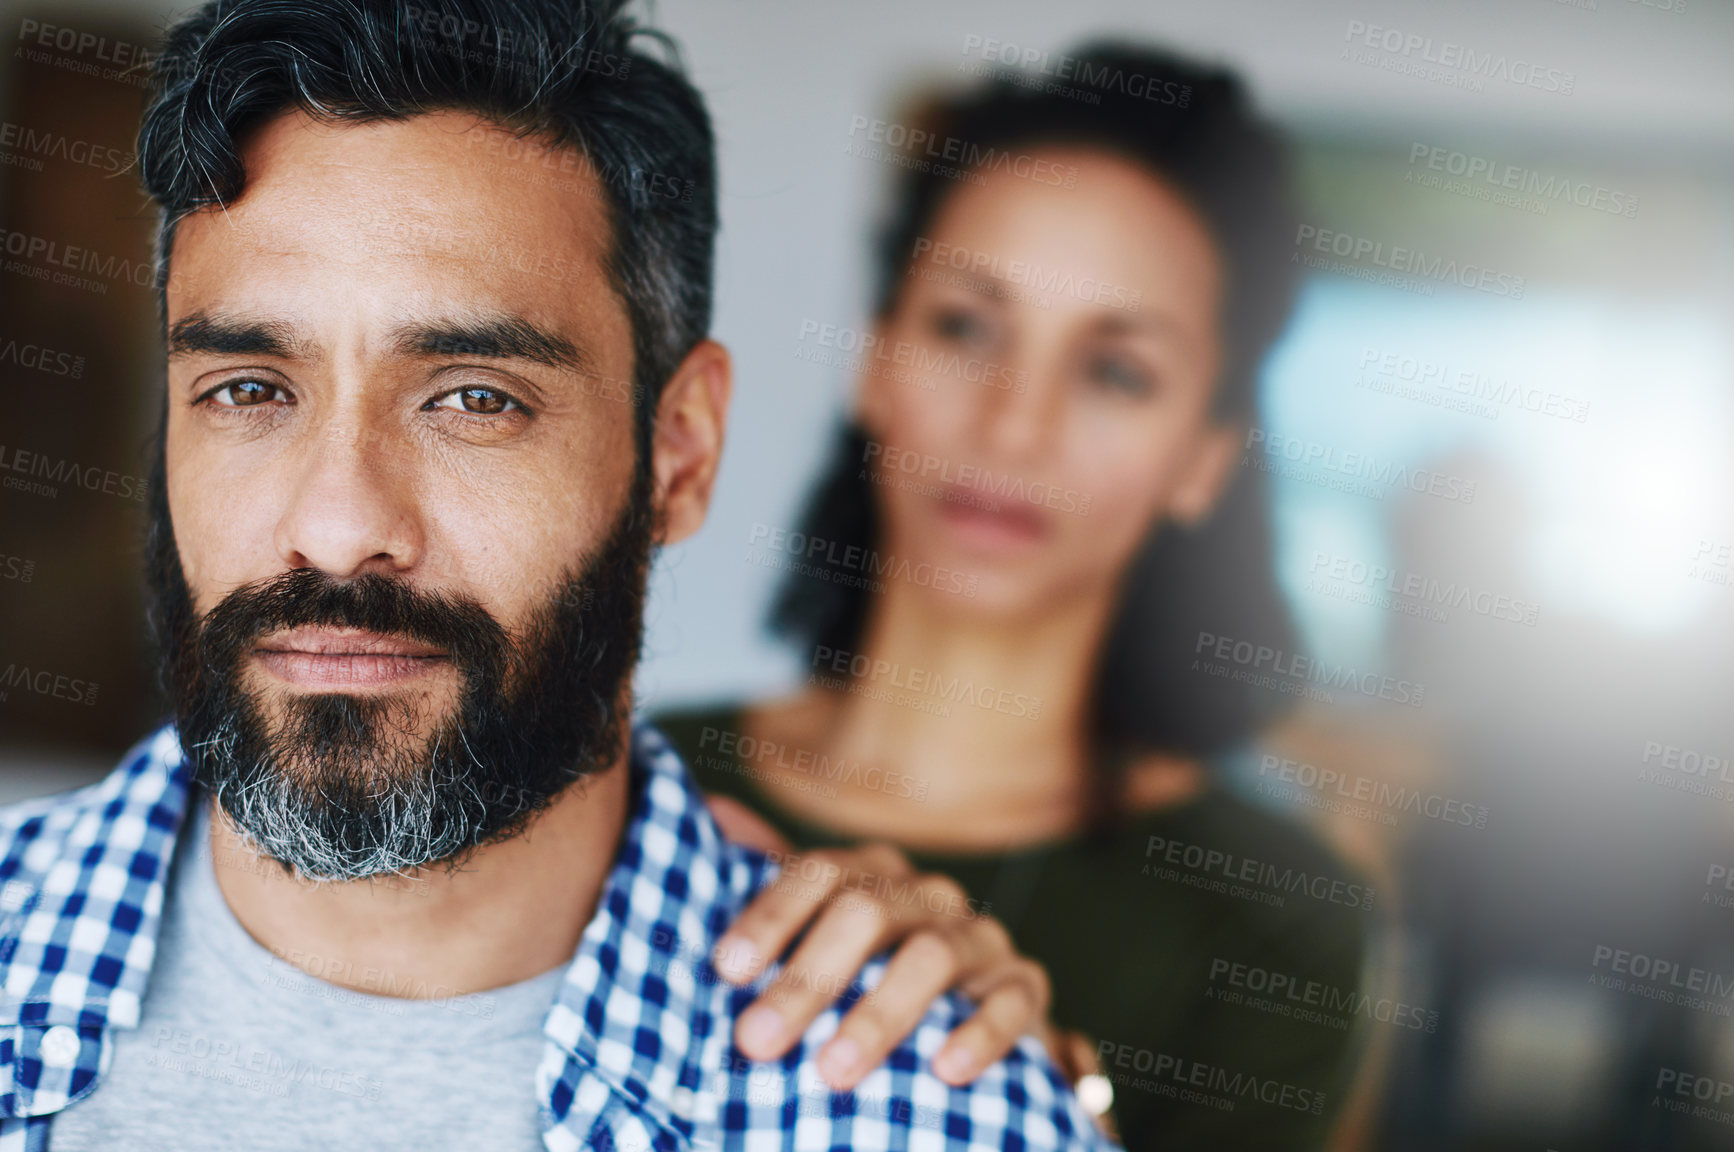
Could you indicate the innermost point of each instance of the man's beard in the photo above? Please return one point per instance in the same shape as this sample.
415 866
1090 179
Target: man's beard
341 787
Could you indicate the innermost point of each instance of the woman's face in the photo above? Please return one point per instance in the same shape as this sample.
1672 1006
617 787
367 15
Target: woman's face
1041 394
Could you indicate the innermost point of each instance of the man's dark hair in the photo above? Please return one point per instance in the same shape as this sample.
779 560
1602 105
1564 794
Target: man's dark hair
1192 126
566 73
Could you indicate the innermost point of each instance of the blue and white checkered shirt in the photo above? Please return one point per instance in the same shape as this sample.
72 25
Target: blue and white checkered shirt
639 1053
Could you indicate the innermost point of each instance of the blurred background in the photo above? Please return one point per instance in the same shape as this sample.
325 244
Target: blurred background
1576 941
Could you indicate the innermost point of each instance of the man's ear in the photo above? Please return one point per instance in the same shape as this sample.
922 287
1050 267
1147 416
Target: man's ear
1207 473
686 442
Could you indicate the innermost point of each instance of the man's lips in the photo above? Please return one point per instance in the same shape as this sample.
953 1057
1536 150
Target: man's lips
345 642
345 657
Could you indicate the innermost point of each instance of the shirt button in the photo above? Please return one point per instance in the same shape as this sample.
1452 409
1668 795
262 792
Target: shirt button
60 1046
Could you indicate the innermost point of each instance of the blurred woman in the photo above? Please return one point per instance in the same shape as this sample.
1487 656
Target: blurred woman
1013 583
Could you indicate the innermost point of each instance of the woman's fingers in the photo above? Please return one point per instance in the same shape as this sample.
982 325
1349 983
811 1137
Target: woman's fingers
846 935
929 962
804 884
850 927
857 903
1012 999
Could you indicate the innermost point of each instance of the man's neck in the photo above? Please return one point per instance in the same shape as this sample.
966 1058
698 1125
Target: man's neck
515 909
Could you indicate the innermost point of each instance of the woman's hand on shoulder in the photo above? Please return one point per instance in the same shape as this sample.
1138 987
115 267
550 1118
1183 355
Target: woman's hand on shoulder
854 903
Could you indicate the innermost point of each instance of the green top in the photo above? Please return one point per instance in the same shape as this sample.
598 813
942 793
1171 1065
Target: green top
1211 950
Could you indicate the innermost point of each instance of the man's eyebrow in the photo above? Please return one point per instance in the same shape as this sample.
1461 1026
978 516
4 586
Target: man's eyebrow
235 336
502 337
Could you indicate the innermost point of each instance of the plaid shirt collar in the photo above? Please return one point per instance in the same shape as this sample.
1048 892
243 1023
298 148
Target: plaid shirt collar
82 886
82 881
639 1040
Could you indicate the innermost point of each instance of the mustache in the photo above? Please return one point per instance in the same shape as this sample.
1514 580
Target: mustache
311 598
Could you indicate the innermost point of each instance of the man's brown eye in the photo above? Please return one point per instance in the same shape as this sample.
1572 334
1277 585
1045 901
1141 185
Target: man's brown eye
244 394
477 401
483 402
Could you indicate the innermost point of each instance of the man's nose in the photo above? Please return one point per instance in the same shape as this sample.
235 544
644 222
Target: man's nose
351 506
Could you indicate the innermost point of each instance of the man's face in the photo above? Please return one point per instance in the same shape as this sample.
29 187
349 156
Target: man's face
402 483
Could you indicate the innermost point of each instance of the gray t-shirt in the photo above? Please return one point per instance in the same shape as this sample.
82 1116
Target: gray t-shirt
239 1048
